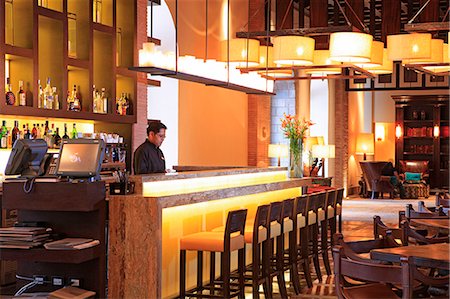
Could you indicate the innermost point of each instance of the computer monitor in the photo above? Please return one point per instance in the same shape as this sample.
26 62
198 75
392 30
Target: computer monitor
26 157
80 158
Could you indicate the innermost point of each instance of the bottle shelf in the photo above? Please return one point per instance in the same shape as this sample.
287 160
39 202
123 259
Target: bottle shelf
78 63
50 13
417 137
418 121
103 28
18 51
421 154
43 255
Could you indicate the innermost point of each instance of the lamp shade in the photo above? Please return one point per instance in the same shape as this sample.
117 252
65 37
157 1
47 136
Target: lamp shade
351 47
310 141
293 50
243 52
409 46
322 57
445 59
376 56
266 60
386 68
323 151
364 144
278 150
437 46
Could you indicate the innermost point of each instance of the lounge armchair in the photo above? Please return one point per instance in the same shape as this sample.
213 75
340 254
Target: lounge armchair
375 182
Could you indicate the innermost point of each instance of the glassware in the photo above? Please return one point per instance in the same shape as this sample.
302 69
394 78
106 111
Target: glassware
72 32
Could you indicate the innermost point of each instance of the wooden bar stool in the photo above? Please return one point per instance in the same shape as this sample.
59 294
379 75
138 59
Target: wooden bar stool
224 242
301 208
331 217
273 263
339 197
322 221
255 234
313 232
290 253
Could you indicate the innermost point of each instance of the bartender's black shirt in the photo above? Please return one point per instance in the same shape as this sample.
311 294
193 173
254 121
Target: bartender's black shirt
148 159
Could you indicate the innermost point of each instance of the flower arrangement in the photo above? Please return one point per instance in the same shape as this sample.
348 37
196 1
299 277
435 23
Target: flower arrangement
295 130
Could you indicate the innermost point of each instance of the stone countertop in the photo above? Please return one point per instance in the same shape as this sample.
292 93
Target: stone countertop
203 173
209 195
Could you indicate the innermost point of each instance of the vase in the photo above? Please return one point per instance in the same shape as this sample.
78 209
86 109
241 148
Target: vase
295 158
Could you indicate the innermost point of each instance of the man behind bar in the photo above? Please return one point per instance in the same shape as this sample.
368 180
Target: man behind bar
148 157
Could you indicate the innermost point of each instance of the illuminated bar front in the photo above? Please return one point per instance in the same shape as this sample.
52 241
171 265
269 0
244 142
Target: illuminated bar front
145 227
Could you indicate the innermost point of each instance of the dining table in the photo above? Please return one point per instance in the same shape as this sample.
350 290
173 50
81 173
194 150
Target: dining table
431 255
440 224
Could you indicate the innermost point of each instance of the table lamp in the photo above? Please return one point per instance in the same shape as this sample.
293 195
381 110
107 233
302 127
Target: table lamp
278 151
324 152
364 144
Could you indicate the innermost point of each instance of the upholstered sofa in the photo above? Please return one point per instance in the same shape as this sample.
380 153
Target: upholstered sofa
415 166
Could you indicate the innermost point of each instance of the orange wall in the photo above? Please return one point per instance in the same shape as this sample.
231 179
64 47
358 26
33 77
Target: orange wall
213 126
213 122
385 150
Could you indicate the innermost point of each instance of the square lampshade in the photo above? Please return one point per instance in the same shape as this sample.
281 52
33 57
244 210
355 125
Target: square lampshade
323 151
364 144
278 150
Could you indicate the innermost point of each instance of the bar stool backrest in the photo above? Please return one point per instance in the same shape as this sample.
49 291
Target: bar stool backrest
411 213
276 209
339 196
235 222
261 219
301 205
331 198
288 208
312 201
321 200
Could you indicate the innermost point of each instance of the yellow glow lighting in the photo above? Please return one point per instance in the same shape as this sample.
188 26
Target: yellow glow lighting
409 46
242 51
398 131
322 57
184 186
385 68
353 47
437 46
376 56
380 132
293 50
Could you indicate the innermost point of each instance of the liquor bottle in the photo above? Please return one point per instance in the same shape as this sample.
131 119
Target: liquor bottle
27 134
10 98
51 137
129 105
95 107
15 132
38 132
69 101
21 95
65 136
126 105
4 135
55 98
76 99
56 138
34 132
119 104
74 132
48 96
41 95
104 100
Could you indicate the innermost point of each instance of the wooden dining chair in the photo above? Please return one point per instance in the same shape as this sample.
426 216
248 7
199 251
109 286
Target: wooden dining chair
411 235
412 275
371 279
381 230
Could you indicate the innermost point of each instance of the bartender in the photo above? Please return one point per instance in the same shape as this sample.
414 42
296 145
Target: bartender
148 157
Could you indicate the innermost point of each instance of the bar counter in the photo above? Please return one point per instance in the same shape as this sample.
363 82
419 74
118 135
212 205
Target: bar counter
145 227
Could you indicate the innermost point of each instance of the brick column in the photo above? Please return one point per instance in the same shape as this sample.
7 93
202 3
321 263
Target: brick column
341 134
139 128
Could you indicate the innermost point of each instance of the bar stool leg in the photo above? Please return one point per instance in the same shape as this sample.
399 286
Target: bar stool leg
212 272
304 252
199 271
295 280
256 263
182 273
279 266
267 256
241 269
225 266
315 247
324 245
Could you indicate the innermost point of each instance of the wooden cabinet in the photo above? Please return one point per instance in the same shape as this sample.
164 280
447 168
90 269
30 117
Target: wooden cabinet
64 41
71 209
424 124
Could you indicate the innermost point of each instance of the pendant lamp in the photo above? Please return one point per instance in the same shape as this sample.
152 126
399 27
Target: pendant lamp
243 52
437 46
322 57
266 60
376 56
385 68
445 59
409 46
293 50
353 47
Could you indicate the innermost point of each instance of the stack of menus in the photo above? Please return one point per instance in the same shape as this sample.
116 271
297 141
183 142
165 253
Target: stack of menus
23 237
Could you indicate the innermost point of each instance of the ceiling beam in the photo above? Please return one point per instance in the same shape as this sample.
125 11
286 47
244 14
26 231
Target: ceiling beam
316 31
424 27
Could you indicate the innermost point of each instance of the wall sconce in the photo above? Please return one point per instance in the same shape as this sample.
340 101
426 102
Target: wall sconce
436 131
380 132
398 131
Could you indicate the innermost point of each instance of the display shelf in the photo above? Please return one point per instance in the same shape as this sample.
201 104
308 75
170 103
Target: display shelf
52 5
126 85
78 63
18 51
104 64
104 13
124 39
21 24
51 256
103 28
80 78
21 69
417 137
407 121
81 8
